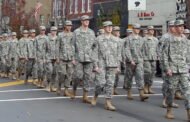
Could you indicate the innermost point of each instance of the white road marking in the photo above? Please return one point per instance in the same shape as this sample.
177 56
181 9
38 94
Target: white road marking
28 90
54 98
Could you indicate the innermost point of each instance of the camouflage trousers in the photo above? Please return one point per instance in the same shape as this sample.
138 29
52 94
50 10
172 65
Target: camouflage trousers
149 72
134 71
105 81
14 65
65 72
83 72
22 66
171 84
50 69
116 80
39 70
30 69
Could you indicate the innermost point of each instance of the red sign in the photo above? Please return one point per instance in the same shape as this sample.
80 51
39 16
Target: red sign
145 14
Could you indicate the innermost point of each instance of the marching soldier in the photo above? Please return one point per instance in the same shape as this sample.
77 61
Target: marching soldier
132 54
186 32
51 56
41 47
66 59
31 56
150 55
175 66
13 55
107 65
84 40
22 53
116 33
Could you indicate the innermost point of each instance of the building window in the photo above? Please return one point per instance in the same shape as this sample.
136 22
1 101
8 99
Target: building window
89 5
83 6
76 6
71 7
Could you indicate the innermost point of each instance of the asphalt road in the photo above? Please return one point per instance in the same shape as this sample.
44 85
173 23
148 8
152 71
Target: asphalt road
26 103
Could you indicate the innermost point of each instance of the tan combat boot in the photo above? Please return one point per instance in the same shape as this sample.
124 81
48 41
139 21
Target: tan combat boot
150 91
146 88
188 115
109 106
178 95
85 98
129 94
68 94
94 100
48 88
164 103
13 77
115 92
58 91
169 114
174 105
54 89
142 95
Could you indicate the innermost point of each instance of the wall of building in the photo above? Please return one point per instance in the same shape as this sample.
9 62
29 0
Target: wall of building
158 13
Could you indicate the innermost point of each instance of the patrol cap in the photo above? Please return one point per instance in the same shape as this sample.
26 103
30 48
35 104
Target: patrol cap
107 23
68 23
25 32
32 31
85 17
179 22
5 35
13 34
116 28
136 26
150 27
145 31
129 30
171 23
186 31
101 31
42 28
53 28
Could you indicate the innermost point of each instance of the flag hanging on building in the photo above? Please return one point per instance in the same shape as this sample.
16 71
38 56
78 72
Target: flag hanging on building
37 9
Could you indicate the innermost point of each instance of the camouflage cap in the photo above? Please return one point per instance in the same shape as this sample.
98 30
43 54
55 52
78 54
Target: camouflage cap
13 33
68 23
32 31
129 30
145 31
25 31
186 31
136 26
42 28
85 17
101 31
150 27
171 23
5 35
116 28
179 22
53 28
107 23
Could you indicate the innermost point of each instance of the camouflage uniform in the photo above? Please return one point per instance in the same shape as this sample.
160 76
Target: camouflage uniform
13 55
51 56
31 55
132 51
84 43
66 56
174 59
109 58
41 47
22 54
6 60
150 56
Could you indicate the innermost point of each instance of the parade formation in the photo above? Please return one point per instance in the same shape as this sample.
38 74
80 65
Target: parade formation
69 59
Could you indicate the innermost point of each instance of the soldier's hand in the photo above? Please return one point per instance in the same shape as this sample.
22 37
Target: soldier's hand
57 61
133 63
169 73
118 70
97 69
74 62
